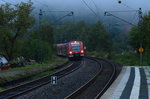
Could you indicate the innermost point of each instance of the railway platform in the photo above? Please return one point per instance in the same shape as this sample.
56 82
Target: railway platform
132 83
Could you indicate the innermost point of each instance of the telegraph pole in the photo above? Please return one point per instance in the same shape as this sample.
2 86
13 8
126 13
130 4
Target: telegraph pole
141 50
40 17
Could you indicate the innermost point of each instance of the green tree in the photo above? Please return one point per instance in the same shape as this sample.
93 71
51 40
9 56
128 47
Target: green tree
39 44
46 33
98 38
37 50
134 39
141 34
71 31
93 36
14 23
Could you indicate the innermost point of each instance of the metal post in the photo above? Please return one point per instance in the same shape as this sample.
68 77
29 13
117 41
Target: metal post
140 35
141 55
40 17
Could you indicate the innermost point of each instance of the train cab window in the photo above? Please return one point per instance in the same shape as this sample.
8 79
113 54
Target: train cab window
75 47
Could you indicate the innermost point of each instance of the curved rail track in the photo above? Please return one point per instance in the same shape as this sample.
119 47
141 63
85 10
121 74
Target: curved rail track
93 88
97 85
29 86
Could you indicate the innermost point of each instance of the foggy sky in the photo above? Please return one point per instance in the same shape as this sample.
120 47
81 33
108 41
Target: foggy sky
82 11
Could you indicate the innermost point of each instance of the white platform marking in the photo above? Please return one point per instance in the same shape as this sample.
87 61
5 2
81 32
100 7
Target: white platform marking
147 72
136 86
118 91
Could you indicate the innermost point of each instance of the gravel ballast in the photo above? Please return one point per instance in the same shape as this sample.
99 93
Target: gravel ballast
67 84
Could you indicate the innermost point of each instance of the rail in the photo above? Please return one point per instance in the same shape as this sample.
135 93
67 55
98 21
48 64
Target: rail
29 86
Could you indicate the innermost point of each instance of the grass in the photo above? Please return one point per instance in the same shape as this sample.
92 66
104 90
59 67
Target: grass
34 69
22 68
1 89
50 64
97 54
126 59
129 59
42 75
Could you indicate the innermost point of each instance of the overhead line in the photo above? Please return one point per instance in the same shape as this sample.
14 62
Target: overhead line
95 5
126 11
41 3
90 8
101 19
57 11
127 6
122 19
133 19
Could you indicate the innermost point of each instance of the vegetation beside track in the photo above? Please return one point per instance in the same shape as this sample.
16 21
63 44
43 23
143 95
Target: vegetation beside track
126 59
40 70
130 59
36 42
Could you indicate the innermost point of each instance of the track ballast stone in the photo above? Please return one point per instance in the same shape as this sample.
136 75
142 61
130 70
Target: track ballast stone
65 85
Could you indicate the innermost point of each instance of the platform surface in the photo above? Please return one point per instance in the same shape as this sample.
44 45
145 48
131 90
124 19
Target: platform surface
132 83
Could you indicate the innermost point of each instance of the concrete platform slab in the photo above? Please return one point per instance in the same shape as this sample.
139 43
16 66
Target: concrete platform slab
132 83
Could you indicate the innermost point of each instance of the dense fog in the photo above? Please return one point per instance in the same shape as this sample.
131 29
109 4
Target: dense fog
90 11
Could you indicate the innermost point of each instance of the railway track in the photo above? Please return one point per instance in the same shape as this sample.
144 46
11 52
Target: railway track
27 87
97 85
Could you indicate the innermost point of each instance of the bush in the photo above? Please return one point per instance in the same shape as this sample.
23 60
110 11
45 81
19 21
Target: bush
130 59
37 50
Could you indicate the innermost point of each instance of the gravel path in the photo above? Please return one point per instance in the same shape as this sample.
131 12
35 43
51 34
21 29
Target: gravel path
65 85
11 73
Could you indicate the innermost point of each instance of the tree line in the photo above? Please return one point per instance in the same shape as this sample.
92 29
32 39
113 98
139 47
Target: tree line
140 36
21 36
94 36
17 36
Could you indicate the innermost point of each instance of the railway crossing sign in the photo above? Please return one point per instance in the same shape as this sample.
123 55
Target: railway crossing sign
54 80
141 50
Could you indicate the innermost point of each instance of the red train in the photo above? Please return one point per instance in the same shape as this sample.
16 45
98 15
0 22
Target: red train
71 49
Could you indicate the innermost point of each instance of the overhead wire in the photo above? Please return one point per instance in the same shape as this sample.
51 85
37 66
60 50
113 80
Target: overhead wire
53 11
41 3
95 6
133 10
128 11
125 11
90 8
125 5
101 19
45 5
134 17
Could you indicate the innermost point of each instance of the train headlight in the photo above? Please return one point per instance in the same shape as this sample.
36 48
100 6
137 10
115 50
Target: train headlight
82 51
70 52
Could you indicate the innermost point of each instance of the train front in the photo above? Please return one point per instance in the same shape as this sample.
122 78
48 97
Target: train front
76 49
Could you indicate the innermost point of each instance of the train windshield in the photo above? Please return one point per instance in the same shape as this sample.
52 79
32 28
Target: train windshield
75 47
